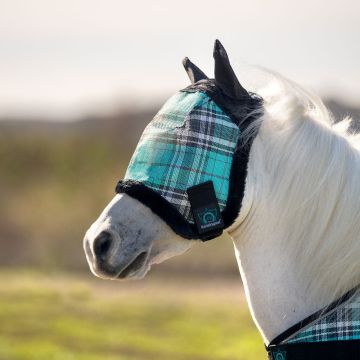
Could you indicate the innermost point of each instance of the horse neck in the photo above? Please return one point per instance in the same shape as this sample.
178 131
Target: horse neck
297 245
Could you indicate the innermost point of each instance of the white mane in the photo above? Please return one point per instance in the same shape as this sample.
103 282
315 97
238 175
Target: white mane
307 178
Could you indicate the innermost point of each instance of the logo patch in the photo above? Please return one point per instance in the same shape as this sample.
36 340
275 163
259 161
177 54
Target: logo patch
279 355
205 209
207 217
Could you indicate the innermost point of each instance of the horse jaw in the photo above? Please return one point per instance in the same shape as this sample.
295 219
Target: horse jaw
137 239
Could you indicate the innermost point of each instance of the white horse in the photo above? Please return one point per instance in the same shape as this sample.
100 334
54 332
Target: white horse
296 237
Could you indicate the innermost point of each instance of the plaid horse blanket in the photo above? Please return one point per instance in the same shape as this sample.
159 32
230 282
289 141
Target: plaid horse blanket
332 334
343 323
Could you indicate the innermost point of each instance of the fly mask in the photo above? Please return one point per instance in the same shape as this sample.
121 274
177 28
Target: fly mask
190 164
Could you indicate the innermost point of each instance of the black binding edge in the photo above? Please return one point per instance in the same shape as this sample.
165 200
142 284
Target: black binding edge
329 350
242 113
313 317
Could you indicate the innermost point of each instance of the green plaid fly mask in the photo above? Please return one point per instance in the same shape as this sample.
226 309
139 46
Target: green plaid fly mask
190 164
190 141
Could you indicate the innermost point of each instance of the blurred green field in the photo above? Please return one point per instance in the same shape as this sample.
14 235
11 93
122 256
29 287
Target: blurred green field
47 317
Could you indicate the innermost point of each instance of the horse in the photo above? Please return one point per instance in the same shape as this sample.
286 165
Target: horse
297 227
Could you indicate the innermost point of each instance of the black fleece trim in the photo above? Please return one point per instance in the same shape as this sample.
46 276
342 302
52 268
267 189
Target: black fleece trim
237 109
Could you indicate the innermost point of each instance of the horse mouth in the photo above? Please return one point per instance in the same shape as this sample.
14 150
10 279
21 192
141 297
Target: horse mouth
134 266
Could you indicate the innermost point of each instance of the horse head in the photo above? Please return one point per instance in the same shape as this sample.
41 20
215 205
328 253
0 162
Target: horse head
196 138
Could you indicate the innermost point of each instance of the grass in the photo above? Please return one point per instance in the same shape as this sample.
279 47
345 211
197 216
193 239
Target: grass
61 317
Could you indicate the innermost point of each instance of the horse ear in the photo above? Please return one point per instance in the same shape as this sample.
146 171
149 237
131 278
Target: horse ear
194 73
224 74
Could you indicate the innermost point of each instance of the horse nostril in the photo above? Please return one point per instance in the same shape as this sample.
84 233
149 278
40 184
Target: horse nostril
102 244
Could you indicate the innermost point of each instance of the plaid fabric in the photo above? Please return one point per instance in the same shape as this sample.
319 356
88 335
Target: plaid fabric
190 141
341 324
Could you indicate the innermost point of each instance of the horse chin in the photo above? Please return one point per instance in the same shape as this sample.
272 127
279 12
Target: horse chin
137 275
136 269
129 275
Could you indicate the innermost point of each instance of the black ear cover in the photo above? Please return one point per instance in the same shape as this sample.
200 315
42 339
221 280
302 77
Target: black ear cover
194 73
224 74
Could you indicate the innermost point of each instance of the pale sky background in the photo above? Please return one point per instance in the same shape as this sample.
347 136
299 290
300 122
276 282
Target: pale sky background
67 58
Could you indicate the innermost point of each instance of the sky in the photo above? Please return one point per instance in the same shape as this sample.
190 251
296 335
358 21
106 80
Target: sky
69 58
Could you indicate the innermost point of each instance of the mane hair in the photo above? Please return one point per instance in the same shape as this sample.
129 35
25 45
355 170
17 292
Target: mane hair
307 177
